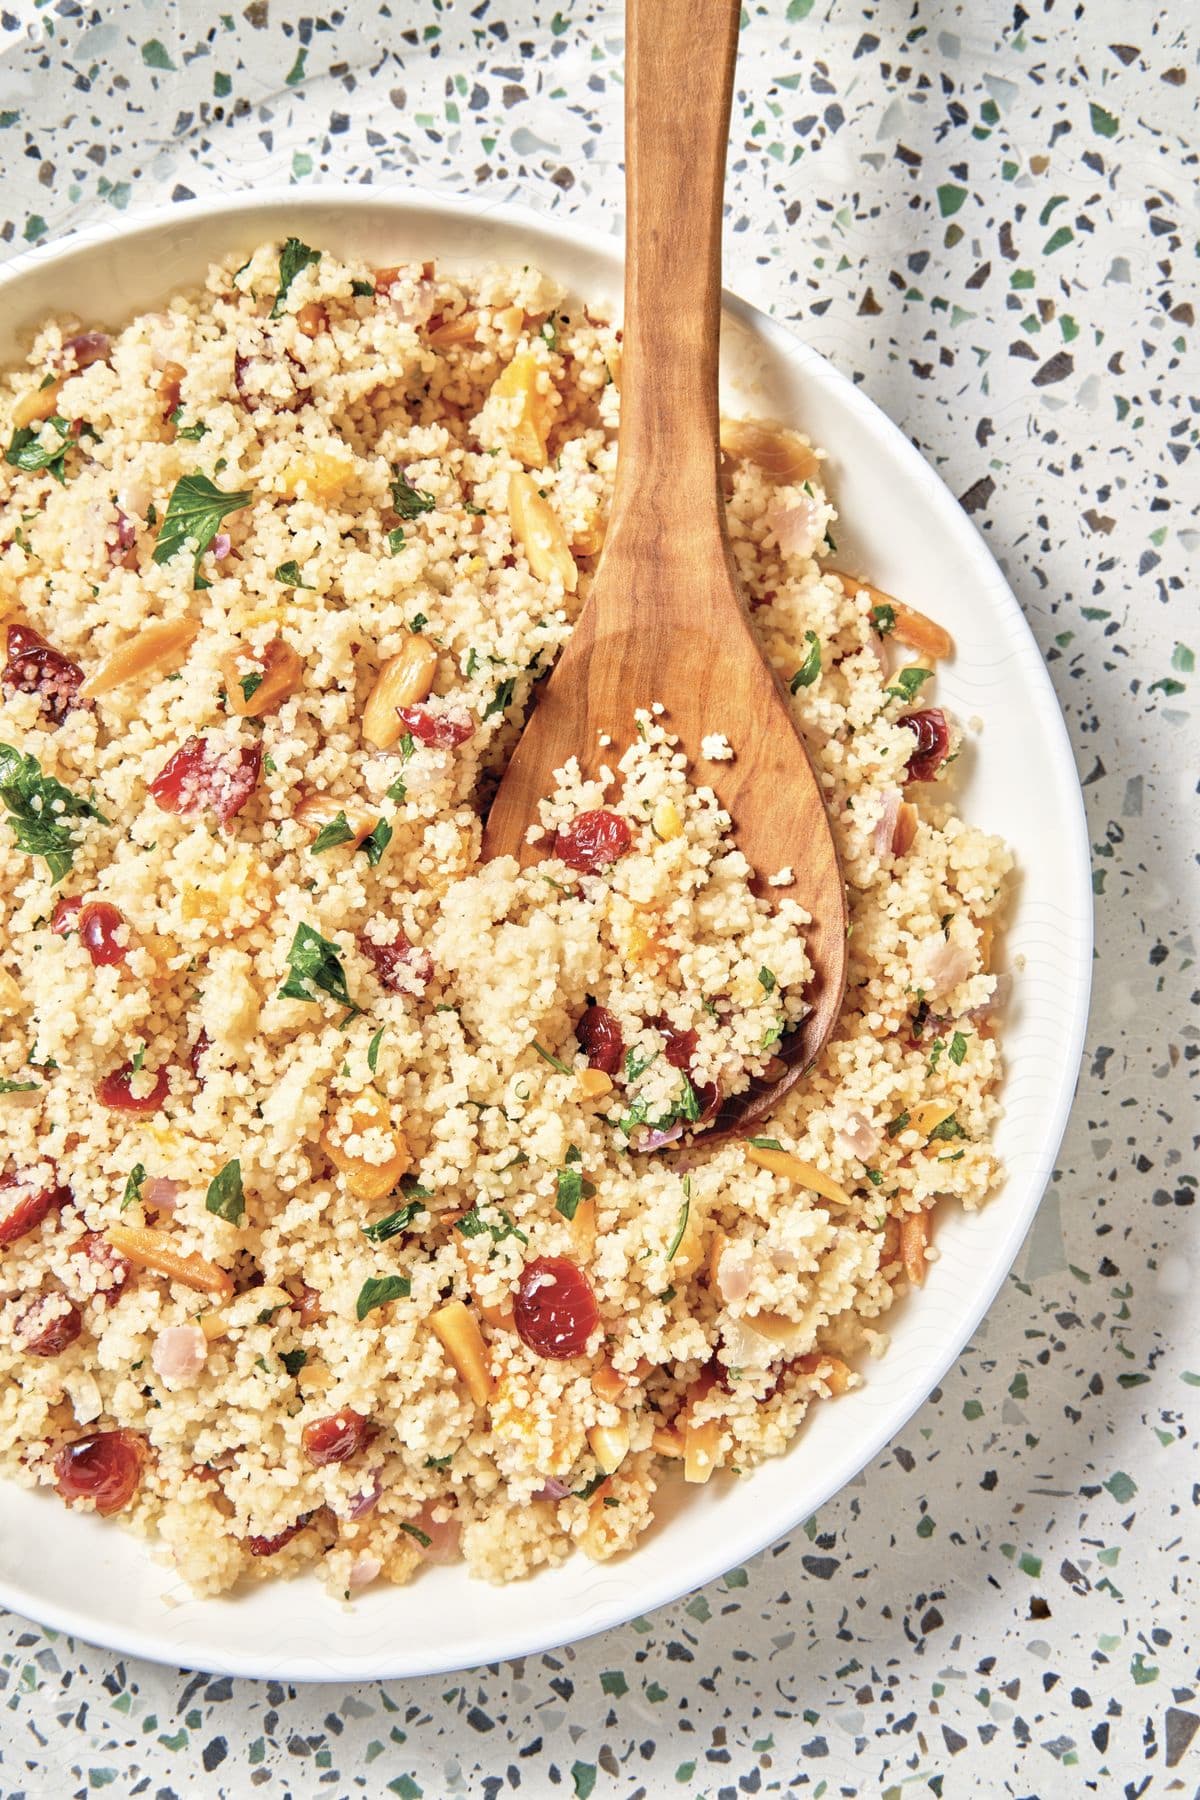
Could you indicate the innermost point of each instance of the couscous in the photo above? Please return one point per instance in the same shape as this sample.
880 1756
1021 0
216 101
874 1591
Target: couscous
355 1206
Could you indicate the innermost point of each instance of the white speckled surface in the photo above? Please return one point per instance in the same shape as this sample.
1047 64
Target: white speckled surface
991 226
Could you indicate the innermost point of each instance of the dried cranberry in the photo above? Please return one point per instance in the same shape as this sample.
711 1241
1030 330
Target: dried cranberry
600 1039
593 840
443 728
933 742
267 1546
114 1091
104 1467
680 1046
196 1054
99 923
44 1329
23 1206
389 959
555 1310
199 778
113 1271
337 1438
65 917
33 667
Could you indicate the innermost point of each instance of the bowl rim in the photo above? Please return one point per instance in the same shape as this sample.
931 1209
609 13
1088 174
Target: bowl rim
506 1641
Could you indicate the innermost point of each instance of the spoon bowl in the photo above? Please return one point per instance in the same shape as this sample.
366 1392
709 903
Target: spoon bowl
665 623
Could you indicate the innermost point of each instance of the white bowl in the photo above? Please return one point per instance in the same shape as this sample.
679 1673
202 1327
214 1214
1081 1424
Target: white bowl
900 524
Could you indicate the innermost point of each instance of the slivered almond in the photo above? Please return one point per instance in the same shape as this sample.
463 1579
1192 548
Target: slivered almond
701 1446
916 629
452 333
319 810
162 645
457 1331
609 1445
583 1230
782 1162
666 1441
527 425
149 1248
905 828
403 680
914 1241
282 674
538 530
777 451
39 404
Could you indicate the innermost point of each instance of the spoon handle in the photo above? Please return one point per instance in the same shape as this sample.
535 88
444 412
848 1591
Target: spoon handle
679 61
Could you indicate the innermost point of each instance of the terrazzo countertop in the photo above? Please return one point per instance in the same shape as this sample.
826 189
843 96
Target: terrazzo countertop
982 214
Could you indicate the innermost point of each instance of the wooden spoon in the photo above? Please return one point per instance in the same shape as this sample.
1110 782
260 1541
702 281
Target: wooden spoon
665 620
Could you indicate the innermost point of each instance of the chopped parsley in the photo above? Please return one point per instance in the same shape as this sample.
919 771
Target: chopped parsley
772 1034
398 791
362 290
225 1196
896 1125
549 332
19 1087
336 832
810 668
417 623
195 513
439 1462
192 433
909 682
373 1049
958 1049
378 1290
38 808
290 575
883 618
315 963
394 1223
423 1538
572 1186
501 700
408 501
249 685
376 842
395 541
25 451
766 980
636 1065
761 1143
293 1361
875 1177
935 1053
473 1224
552 1060
949 1128
589 1488
681 1220
292 258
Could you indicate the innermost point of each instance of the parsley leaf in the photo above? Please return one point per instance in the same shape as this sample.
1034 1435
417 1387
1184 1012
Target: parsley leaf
763 1143
552 1060
908 683
572 1187
681 1220
439 1462
316 963
408 501
378 1290
958 1049
875 1177
336 832
249 685
19 1087
225 1196
362 290
423 1538
38 807
195 512
935 1053
293 1361
883 618
373 1049
25 451
949 1128
636 1065
394 1223
895 1126
473 1224
501 700
810 668
766 980
377 842
292 258
291 577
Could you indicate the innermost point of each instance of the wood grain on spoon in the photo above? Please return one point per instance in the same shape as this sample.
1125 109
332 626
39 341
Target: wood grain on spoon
665 620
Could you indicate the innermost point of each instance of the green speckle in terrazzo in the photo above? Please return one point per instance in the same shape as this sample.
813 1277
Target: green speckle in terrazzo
984 217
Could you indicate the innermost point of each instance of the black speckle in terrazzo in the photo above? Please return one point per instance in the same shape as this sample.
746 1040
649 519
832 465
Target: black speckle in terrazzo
984 216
